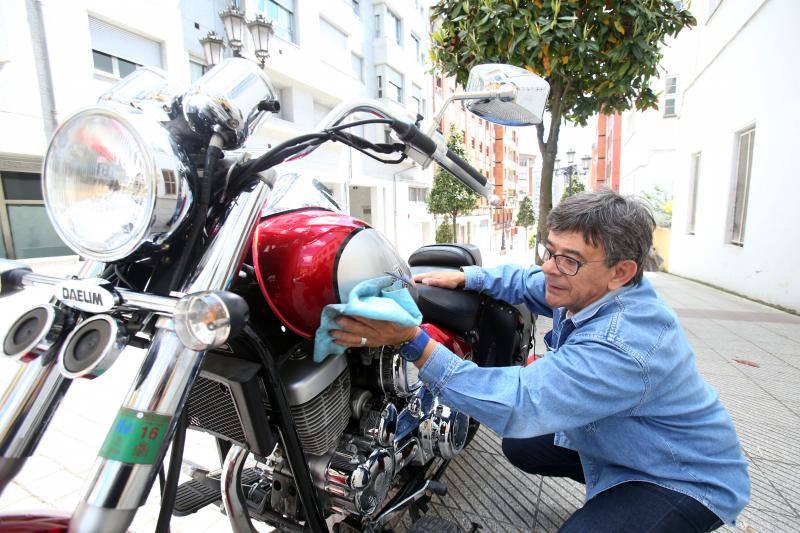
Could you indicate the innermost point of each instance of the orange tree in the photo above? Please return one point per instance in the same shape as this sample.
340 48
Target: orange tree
597 55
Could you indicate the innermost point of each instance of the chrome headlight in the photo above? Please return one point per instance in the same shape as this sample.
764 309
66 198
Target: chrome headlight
114 179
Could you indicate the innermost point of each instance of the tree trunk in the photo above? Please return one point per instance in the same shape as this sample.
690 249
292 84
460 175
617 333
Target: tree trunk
455 227
549 150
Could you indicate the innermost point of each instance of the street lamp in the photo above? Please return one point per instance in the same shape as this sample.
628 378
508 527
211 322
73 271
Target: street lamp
213 47
260 31
572 169
233 20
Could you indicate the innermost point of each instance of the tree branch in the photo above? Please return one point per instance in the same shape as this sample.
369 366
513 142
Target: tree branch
540 137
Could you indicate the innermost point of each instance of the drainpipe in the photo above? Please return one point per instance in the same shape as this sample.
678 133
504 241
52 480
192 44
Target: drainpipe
42 61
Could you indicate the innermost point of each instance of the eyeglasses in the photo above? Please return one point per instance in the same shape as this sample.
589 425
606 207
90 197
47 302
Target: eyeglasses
564 263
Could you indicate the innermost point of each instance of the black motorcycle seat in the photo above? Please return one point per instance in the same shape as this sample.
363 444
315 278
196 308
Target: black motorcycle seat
456 310
446 255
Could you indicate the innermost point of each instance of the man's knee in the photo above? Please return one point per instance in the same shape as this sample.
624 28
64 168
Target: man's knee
518 453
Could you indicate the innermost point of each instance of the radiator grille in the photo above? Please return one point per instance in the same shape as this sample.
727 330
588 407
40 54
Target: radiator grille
320 422
210 407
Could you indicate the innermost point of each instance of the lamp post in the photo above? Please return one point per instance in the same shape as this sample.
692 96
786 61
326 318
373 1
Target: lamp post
234 22
572 169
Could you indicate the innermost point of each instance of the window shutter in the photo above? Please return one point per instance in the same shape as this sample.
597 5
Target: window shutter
124 44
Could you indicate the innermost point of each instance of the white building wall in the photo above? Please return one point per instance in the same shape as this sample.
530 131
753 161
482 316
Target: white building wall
742 76
311 75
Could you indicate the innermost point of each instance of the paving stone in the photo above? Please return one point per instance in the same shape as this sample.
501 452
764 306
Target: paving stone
757 521
13 494
755 411
708 365
764 494
559 498
784 478
740 387
769 442
57 485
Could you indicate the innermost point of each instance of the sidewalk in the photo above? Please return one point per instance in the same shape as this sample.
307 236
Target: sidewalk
484 488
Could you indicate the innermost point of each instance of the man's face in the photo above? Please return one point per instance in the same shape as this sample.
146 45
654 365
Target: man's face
593 280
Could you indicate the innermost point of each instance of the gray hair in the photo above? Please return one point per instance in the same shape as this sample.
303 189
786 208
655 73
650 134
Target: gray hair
622 226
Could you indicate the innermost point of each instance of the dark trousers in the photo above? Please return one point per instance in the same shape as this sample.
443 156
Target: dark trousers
634 506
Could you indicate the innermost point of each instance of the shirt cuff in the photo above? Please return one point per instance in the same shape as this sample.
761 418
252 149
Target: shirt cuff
438 368
474 278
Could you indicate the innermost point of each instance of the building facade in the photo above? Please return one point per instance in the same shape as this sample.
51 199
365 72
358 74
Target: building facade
723 140
604 171
322 53
494 151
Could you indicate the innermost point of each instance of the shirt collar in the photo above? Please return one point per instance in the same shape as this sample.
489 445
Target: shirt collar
590 310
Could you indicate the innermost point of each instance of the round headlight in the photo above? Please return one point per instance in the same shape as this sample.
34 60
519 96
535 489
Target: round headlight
112 179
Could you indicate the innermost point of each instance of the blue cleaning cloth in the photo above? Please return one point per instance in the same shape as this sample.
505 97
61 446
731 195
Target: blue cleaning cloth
383 298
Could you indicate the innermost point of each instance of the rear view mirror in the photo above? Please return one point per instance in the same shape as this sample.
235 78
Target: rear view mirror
524 94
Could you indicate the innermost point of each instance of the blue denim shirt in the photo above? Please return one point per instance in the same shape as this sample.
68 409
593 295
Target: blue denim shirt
619 386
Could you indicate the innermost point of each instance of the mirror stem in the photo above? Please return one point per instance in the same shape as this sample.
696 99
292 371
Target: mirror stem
507 92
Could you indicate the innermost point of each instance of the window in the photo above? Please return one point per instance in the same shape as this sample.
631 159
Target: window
390 85
417 194
416 48
378 25
281 14
111 65
357 64
196 70
25 229
417 98
117 52
670 96
744 164
334 40
395 27
693 186
356 7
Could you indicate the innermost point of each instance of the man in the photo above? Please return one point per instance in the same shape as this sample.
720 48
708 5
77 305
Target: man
617 403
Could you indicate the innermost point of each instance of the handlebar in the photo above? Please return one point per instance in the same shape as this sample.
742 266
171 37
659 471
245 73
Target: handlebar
437 149
16 276
427 147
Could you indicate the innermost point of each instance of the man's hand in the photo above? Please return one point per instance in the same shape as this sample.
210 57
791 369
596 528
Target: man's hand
376 332
447 280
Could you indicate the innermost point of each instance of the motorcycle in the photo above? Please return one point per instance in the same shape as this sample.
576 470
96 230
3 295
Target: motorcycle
200 253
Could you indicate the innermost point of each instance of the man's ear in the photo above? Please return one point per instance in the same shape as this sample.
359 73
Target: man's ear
622 273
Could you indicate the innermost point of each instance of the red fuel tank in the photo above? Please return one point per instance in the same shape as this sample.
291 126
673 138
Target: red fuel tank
308 258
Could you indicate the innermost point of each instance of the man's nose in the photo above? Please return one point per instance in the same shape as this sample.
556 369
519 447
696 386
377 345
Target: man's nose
549 267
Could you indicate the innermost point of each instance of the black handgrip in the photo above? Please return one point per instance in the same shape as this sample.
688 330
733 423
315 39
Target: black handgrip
466 167
410 134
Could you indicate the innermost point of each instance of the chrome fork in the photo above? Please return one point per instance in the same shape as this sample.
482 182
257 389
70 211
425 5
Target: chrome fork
119 484
30 402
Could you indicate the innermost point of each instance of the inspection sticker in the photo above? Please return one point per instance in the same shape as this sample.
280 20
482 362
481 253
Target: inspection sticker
135 437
